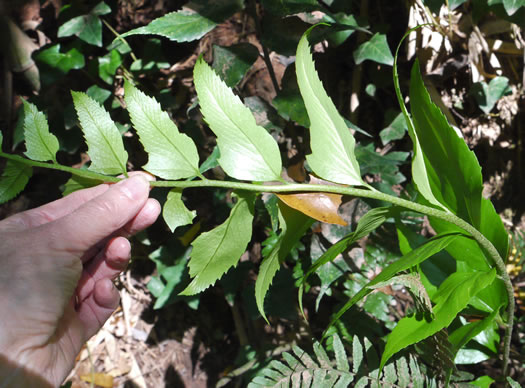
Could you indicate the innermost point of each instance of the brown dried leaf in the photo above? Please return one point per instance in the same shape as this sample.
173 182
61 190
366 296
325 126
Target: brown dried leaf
320 206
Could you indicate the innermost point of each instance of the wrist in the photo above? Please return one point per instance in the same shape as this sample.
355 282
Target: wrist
16 375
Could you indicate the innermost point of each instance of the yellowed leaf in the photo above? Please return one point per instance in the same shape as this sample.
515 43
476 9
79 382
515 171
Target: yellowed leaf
100 379
320 206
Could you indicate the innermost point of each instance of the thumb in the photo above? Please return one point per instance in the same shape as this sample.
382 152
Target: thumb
102 216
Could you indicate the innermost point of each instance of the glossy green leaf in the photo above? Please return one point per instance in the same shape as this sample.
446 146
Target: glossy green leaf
453 170
13 180
331 141
411 259
86 27
175 212
216 251
108 65
293 225
376 49
40 143
105 146
98 94
1 140
231 63
191 23
487 95
171 154
452 297
459 337
511 6
64 62
248 151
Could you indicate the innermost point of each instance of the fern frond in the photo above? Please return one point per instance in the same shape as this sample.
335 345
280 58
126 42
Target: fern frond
301 369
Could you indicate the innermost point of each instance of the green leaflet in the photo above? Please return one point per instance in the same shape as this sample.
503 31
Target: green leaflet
174 212
105 146
216 251
376 49
248 151
331 141
13 180
418 255
41 145
453 296
369 222
190 24
294 225
1 140
172 155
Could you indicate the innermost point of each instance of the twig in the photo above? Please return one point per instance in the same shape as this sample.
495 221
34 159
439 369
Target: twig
266 55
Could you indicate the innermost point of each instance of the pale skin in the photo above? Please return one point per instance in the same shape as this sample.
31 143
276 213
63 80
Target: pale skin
57 266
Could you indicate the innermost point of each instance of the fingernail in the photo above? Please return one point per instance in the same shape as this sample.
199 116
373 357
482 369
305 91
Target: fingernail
136 187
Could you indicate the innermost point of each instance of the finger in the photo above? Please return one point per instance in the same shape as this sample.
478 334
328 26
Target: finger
145 218
51 211
98 307
107 264
100 217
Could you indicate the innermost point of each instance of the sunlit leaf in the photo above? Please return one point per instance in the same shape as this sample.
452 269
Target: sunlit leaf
248 151
331 141
376 49
13 180
452 297
175 212
171 155
487 95
105 146
511 6
319 206
40 143
293 226
216 251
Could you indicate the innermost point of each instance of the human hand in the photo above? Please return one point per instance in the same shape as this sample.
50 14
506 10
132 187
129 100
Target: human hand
57 263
